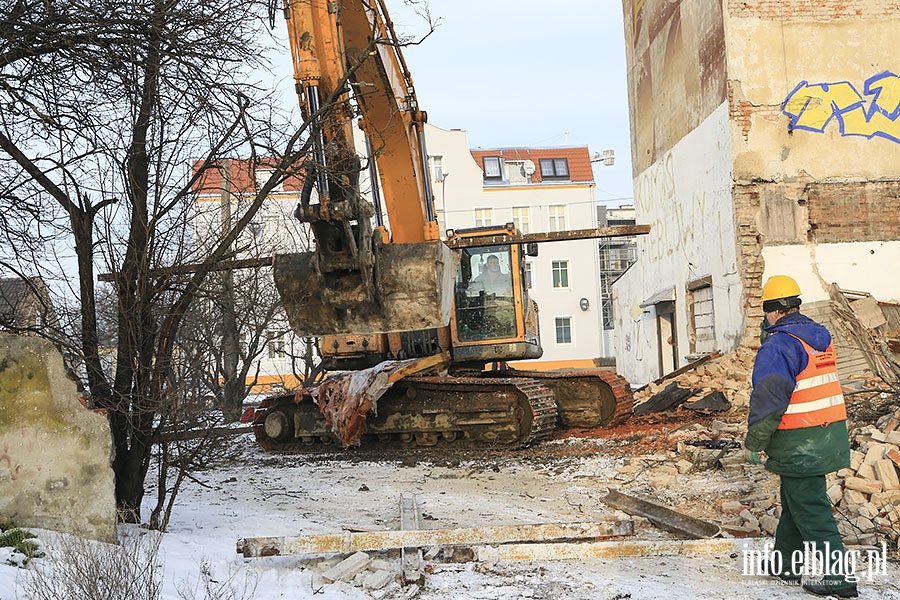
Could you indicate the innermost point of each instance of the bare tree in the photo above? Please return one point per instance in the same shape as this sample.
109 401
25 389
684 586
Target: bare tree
105 104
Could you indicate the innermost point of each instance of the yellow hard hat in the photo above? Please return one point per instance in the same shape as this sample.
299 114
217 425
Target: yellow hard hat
780 286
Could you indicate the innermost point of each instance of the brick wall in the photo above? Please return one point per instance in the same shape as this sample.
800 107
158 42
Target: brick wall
749 240
800 10
837 212
854 211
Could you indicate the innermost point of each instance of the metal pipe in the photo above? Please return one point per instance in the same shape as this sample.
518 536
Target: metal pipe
312 97
373 179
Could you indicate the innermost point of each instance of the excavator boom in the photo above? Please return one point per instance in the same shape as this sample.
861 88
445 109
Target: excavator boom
358 280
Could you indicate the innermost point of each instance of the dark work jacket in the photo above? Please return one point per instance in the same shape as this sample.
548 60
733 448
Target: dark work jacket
792 452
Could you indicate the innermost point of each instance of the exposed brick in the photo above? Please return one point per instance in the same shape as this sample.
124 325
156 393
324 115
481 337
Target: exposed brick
853 211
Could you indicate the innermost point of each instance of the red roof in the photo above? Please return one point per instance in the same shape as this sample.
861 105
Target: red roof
242 176
578 157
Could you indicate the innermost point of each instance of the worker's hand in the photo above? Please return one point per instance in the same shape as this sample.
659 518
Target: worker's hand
753 457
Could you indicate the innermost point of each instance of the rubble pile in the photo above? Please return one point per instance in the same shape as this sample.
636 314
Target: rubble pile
728 374
377 576
867 495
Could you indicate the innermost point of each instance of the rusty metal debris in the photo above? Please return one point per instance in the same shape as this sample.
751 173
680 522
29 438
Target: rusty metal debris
350 542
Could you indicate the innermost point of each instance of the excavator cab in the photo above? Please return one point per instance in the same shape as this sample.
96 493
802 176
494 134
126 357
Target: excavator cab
493 317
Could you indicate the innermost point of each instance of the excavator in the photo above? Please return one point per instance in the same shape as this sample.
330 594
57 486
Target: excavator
405 326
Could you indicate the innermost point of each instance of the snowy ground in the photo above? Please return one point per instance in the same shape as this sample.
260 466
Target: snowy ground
557 481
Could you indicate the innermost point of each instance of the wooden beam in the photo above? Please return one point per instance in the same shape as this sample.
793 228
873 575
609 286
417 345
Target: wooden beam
661 516
612 549
225 265
349 542
550 236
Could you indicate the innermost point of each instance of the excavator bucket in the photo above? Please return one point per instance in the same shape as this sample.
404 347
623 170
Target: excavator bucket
413 290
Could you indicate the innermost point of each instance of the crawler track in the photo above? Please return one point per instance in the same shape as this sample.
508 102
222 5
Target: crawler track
462 412
585 398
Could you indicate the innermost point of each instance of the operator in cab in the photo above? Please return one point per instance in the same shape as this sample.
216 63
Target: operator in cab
492 280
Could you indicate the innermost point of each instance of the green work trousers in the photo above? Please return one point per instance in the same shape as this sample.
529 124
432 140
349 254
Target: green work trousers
806 526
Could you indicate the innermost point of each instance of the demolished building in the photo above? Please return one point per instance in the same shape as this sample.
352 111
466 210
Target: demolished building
764 140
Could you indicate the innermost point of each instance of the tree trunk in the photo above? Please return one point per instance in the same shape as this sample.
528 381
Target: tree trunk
132 457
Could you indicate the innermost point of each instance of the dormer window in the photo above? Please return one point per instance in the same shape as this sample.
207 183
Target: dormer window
492 168
554 168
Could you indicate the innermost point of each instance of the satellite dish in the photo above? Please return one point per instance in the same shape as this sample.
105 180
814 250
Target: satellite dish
528 167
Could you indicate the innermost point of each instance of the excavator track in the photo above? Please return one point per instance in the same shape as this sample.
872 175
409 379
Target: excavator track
585 398
465 412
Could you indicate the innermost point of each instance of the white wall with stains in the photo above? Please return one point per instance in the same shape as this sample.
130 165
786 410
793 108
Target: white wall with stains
686 198
859 266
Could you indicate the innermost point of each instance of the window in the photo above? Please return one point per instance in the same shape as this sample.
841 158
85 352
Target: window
436 164
515 170
557 217
442 223
560 273
701 319
263 175
484 217
554 168
492 167
563 330
528 275
276 348
521 217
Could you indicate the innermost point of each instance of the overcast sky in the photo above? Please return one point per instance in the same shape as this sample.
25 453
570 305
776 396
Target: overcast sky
526 73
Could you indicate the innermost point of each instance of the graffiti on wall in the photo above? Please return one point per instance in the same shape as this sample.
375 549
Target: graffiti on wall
875 112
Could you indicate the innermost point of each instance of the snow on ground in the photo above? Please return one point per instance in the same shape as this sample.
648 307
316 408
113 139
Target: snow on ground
558 481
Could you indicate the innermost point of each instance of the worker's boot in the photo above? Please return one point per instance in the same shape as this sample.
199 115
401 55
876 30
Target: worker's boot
821 588
785 576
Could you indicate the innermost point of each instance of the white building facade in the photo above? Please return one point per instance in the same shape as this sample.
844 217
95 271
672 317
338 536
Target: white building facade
540 190
260 319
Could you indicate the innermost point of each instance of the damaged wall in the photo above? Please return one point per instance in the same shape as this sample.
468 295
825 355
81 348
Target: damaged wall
681 150
54 453
814 102
686 199
812 130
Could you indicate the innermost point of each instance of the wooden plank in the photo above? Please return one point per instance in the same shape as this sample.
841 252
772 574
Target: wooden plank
868 312
610 549
225 265
348 542
411 567
662 517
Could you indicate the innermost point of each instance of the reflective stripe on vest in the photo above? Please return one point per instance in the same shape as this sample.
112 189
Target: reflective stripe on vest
817 399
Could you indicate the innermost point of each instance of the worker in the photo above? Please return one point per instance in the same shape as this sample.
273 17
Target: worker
798 419
492 280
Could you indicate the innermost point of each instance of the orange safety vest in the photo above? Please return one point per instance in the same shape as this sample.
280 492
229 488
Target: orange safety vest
817 399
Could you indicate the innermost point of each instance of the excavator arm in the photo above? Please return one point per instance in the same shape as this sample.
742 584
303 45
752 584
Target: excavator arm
347 61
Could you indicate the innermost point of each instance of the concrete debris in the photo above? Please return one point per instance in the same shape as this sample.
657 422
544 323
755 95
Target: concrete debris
378 579
385 540
729 375
347 569
867 495
568 551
